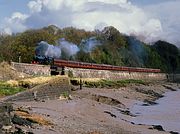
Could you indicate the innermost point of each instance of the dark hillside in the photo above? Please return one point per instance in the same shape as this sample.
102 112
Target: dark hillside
170 55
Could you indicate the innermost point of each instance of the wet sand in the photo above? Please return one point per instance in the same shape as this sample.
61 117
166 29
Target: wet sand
102 111
165 113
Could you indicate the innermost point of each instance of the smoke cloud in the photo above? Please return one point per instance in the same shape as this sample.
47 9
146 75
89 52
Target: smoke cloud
69 49
148 23
48 50
65 49
89 44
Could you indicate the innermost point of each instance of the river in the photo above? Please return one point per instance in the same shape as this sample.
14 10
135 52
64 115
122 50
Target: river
166 113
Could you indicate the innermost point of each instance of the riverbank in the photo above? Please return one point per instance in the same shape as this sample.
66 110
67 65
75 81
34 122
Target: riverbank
96 110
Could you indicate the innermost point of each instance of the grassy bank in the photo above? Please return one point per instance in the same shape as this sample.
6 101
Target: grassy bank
7 89
14 86
101 83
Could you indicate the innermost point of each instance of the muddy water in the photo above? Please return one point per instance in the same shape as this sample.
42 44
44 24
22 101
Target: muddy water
166 113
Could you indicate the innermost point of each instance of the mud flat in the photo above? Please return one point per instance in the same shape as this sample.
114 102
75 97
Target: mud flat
96 111
166 113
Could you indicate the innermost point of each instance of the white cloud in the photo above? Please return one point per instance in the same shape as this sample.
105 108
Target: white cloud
110 1
168 13
35 6
90 14
15 23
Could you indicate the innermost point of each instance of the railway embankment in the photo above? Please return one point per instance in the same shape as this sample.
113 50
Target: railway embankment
34 69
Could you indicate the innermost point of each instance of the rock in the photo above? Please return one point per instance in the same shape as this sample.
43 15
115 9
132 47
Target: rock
112 115
127 112
21 131
20 121
149 92
7 129
5 114
169 88
148 103
70 97
171 132
158 127
63 97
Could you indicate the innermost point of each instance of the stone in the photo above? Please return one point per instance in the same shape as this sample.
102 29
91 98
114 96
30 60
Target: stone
158 127
5 114
112 115
20 121
6 128
172 132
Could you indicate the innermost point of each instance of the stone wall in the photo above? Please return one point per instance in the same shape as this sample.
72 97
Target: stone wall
32 69
35 69
106 74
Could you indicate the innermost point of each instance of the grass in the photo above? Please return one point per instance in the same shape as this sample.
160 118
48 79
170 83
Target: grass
15 86
101 83
6 89
30 82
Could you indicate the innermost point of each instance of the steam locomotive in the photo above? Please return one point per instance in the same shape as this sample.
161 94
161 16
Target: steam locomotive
39 59
56 64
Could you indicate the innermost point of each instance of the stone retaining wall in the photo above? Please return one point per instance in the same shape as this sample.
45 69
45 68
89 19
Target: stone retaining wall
106 74
35 69
32 69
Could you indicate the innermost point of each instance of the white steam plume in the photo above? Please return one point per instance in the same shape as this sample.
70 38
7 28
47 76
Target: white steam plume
48 50
68 48
65 48
89 44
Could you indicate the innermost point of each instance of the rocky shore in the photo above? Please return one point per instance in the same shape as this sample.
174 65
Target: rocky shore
86 111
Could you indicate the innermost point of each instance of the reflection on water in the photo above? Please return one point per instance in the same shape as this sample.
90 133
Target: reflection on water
166 113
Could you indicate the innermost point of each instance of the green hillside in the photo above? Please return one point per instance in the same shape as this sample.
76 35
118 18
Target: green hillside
114 48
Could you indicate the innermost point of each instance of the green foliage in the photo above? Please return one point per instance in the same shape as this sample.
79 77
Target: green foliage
113 84
169 55
75 35
65 94
6 89
25 43
115 49
6 43
107 83
113 36
153 60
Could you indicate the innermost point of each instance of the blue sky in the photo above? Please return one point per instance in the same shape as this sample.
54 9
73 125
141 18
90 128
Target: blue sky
150 20
7 7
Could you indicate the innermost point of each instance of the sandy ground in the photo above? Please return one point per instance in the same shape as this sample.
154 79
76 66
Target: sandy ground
97 111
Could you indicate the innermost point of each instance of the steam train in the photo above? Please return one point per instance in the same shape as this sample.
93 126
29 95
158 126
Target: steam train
56 64
39 59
